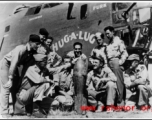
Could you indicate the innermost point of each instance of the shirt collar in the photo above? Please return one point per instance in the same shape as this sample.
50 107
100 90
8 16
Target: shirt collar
77 57
37 68
113 39
98 73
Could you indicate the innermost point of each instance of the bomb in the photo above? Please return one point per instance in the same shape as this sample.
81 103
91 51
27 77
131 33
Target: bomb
79 80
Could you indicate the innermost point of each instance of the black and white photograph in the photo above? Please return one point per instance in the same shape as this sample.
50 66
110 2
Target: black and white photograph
75 59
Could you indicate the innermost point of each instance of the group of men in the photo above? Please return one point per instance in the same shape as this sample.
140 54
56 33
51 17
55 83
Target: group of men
46 79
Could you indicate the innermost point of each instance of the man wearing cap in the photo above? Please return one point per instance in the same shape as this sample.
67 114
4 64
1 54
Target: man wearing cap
116 56
101 82
42 49
43 33
20 55
77 53
139 83
34 78
100 48
65 88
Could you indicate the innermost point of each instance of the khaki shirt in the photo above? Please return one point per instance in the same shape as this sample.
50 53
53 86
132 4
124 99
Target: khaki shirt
64 79
41 50
139 76
32 77
72 55
59 68
51 57
99 52
105 74
18 56
117 49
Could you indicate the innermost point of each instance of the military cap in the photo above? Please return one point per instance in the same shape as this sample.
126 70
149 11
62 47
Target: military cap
34 38
133 57
43 31
40 57
99 34
97 57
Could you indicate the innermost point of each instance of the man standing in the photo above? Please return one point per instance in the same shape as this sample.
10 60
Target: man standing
101 82
77 52
139 83
99 50
20 55
116 55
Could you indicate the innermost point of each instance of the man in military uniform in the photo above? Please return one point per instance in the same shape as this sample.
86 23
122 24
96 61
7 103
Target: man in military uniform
33 79
100 48
101 82
43 34
116 56
65 87
77 52
139 83
52 55
20 55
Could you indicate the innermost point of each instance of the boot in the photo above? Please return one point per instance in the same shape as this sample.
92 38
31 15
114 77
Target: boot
40 114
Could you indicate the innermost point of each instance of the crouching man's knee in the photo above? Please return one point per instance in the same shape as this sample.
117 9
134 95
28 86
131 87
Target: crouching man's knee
111 84
67 105
55 105
140 87
92 101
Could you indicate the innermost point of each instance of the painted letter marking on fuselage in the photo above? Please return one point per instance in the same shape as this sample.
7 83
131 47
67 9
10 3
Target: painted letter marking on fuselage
100 6
88 37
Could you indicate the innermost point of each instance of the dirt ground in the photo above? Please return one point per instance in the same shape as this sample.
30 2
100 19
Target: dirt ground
133 114
58 114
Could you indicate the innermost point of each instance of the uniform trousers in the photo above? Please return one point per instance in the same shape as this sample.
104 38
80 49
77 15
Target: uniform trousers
106 96
5 91
143 93
115 67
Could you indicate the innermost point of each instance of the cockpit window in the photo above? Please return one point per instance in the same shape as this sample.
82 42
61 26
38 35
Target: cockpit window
50 5
20 8
37 10
33 10
46 6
